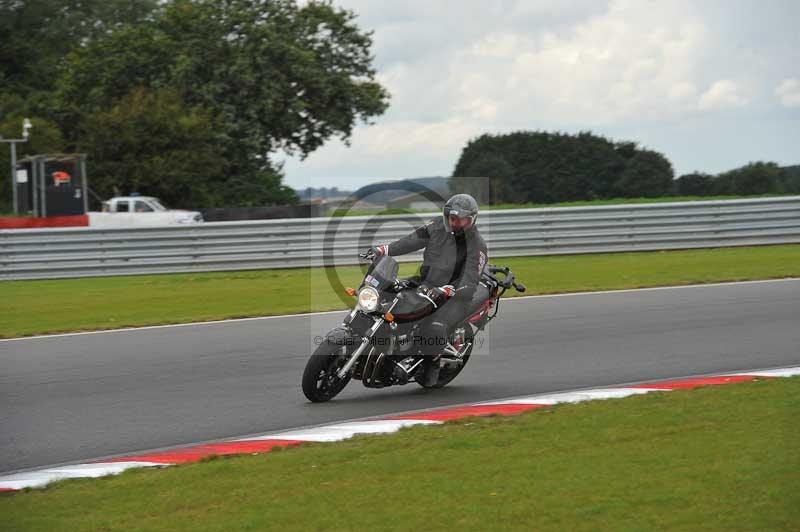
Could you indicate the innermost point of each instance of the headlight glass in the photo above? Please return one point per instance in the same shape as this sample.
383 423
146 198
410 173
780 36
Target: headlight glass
368 299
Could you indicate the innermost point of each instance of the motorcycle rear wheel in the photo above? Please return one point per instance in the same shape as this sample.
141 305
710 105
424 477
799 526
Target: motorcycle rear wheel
320 380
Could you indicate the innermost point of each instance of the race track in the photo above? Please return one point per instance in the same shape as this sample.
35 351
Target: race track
79 397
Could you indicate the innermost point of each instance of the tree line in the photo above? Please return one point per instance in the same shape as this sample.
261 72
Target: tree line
753 178
184 99
549 167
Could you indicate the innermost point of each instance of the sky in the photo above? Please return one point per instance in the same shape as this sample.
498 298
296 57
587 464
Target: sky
711 84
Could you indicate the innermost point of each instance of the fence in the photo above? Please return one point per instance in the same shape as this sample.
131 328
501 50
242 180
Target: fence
87 252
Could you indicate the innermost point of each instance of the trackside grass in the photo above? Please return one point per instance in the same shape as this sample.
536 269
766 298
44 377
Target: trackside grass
36 307
580 203
716 458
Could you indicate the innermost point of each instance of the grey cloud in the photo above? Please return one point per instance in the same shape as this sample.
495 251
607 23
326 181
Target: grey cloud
698 81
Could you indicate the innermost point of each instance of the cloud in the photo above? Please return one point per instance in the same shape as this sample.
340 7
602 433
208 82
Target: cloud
603 67
722 94
627 68
789 93
389 150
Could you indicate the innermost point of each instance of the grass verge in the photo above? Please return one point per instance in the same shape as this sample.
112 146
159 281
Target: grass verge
581 203
37 307
628 201
716 458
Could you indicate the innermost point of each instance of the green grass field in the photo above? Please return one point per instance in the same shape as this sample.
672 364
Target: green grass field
718 458
626 201
36 307
583 203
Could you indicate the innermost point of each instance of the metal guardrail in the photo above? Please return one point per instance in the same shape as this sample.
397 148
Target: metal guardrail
87 252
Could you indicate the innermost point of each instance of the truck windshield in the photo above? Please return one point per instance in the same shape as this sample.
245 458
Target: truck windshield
157 205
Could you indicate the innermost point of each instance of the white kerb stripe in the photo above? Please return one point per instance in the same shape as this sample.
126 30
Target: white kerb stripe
781 372
343 431
575 397
32 479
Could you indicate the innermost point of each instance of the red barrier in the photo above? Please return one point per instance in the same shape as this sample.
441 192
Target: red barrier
80 220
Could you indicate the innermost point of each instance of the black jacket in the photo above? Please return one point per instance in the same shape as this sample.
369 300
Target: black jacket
448 259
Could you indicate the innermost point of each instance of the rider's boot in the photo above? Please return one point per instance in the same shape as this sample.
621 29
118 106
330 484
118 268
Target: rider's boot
436 342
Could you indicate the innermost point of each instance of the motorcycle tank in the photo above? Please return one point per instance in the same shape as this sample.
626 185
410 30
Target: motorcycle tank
411 307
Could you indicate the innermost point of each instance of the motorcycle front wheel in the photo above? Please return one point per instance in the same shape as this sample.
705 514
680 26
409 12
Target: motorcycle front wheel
320 380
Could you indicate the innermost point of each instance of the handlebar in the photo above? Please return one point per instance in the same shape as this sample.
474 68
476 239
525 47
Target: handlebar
508 280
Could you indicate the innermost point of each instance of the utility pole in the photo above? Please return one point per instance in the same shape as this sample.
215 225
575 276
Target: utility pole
26 125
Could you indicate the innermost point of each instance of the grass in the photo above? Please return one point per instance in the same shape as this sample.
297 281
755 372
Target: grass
37 307
582 203
716 458
625 201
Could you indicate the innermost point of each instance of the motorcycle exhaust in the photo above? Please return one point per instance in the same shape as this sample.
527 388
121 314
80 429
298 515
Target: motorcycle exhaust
401 373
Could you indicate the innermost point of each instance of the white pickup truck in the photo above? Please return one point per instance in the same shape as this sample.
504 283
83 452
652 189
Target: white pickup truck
140 211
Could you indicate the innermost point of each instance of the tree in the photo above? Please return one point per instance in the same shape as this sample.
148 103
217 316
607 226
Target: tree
35 35
791 179
694 184
647 174
750 179
151 142
271 74
547 167
486 178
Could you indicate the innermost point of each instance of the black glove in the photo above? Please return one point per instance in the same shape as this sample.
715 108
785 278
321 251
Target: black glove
375 251
405 284
438 293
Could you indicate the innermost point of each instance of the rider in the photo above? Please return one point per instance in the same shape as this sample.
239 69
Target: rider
454 258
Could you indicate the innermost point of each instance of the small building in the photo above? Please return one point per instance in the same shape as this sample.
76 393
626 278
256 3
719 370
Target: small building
52 185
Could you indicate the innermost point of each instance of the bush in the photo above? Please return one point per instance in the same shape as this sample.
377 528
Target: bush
545 167
694 184
751 179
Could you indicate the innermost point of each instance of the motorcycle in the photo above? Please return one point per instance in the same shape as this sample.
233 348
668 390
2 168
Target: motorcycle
380 342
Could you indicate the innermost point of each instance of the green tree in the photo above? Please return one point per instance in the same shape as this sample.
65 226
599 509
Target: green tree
273 75
35 35
486 178
151 142
791 179
694 184
547 167
750 179
648 174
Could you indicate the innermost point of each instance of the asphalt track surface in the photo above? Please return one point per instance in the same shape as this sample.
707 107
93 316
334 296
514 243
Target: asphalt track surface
80 397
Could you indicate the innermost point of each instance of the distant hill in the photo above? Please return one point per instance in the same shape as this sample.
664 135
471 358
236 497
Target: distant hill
385 191
311 193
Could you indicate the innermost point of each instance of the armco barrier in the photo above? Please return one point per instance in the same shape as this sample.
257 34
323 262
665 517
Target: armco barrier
87 252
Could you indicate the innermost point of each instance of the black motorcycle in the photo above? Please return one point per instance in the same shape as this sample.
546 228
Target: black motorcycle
381 343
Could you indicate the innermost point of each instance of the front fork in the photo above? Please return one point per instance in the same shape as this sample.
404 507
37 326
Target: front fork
364 343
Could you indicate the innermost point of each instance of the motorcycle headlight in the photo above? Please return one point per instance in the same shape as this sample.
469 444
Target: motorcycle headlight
368 299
